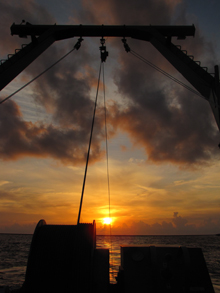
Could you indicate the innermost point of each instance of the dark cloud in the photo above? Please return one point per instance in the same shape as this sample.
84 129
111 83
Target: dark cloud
19 229
15 12
20 138
181 133
178 221
127 12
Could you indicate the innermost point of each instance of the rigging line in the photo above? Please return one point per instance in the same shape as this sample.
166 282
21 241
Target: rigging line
106 140
165 73
90 141
107 163
36 77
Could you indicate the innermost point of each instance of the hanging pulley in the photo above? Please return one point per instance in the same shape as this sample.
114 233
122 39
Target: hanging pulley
127 48
78 44
104 53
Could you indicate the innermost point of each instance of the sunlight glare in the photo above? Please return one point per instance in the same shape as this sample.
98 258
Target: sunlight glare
107 221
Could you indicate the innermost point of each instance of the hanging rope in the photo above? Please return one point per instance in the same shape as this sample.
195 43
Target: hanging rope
88 153
106 140
76 47
108 177
106 145
104 55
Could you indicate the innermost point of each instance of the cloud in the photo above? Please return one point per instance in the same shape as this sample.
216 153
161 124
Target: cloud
178 221
18 228
169 133
20 138
3 182
15 12
138 12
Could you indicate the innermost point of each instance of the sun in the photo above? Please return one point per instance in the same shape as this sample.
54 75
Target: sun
107 221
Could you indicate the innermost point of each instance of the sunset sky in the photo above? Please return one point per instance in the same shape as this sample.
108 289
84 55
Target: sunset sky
164 160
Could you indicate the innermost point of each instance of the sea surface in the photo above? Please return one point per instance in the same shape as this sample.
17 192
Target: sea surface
14 251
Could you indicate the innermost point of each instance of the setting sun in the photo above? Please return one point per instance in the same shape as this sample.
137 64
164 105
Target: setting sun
107 221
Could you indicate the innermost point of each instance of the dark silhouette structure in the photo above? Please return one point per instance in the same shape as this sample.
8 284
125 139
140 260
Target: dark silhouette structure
64 258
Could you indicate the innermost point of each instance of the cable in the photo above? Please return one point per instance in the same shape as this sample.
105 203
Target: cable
76 47
106 141
90 141
21 88
165 73
108 178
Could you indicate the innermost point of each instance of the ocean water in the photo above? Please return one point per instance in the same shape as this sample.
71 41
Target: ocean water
14 251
